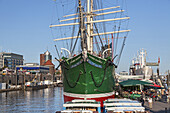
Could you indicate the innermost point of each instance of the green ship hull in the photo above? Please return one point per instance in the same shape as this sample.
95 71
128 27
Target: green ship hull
88 75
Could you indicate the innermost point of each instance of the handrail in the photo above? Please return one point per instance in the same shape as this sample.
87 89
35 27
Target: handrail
105 51
67 51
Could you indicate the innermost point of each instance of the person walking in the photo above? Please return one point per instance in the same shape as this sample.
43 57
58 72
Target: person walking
150 102
142 100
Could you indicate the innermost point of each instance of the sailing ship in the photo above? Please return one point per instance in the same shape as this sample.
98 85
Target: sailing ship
89 73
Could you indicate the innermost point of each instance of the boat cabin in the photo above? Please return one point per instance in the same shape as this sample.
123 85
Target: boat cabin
122 106
81 106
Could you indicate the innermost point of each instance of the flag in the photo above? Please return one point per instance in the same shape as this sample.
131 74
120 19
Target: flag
158 60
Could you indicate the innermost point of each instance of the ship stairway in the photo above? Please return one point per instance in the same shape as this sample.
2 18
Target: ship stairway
159 81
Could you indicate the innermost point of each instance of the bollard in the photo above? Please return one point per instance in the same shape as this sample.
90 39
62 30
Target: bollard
166 110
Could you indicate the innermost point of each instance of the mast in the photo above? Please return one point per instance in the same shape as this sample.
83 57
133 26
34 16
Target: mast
82 29
86 22
89 26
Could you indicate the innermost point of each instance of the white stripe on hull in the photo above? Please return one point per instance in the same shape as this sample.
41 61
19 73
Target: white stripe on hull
89 95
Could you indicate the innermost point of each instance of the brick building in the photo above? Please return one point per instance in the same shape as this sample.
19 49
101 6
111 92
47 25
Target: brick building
51 67
46 60
45 57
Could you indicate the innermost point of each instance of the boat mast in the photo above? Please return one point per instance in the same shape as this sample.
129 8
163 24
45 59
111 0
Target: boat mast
87 34
89 26
82 28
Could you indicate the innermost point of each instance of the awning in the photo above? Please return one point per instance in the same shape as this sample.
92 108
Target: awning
155 86
134 83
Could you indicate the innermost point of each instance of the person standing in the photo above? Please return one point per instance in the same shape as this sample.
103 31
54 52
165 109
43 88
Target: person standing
150 102
167 96
142 101
143 95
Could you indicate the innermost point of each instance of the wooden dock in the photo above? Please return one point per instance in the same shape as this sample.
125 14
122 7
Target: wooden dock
12 89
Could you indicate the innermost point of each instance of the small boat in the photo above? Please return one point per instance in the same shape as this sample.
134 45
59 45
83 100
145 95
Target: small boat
35 87
110 106
59 83
123 106
81 106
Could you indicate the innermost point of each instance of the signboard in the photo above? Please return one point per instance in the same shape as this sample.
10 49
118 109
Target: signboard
152 64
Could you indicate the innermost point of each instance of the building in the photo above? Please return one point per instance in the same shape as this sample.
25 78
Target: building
42 59
31 64
123 73
1 61
32 68
32 71
46 60
45 57
51 67
10 60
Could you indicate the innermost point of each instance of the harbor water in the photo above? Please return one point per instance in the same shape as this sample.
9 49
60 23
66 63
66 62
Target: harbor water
47 100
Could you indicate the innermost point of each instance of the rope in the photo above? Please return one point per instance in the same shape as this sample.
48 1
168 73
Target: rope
118 33
67 78
104 26
121 51
75 43
75 82
73 31
98 85
57 51
98 34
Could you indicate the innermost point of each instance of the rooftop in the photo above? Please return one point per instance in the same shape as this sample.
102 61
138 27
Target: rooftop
48 62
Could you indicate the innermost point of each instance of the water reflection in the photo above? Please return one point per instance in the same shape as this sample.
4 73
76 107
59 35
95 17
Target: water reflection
46 100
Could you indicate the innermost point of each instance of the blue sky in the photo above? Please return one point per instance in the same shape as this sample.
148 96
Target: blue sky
24 29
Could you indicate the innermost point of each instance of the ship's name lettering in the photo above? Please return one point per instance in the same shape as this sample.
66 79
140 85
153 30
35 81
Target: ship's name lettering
95 59
94 64
78 63
75 59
